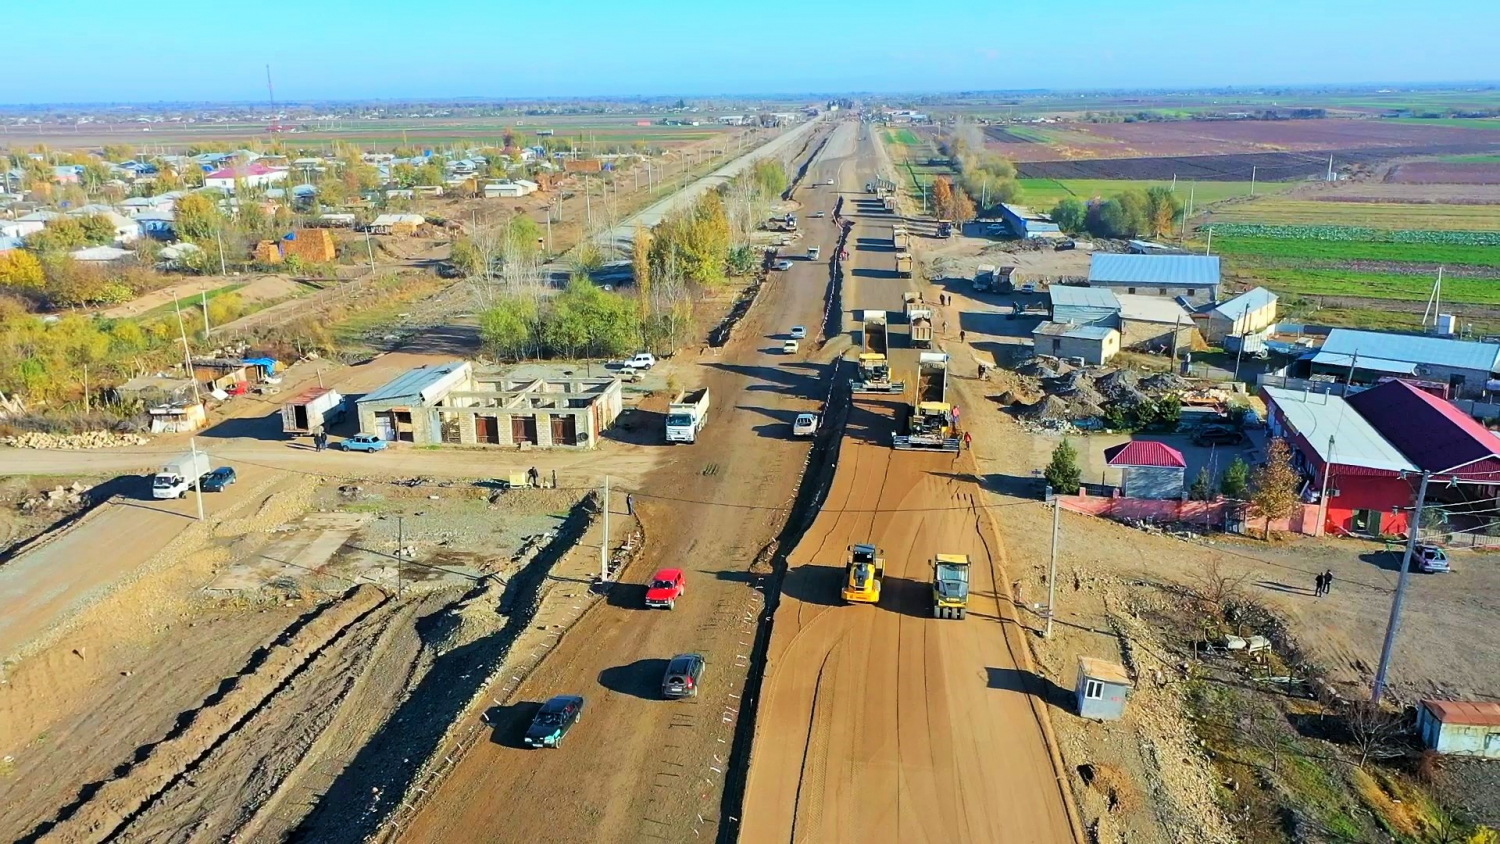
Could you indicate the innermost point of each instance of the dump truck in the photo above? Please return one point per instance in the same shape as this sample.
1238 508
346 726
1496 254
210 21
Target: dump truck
874 368
903 264
315 410
863 574
900 238
921 328
910 299
984 278
929 426
950 585
686 416
890 204
945 228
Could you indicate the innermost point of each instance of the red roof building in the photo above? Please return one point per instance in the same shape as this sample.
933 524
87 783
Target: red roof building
1148 469
1434 434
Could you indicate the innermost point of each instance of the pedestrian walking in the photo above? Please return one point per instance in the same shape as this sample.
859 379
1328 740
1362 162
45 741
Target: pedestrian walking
629 504
1318 586
962 336
968 441
534 477
1327 581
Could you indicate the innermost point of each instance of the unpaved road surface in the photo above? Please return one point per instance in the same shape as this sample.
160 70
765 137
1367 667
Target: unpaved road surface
880 721
637 767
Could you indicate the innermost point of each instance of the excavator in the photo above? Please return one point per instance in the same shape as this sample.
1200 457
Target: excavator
950 585
863 574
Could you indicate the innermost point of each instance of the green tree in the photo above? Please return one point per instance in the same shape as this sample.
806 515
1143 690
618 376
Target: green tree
770 177
1273 488
198 217
1203 486
60 235
20 269
1070 215
97 229
1063 473
1236 480
1162 209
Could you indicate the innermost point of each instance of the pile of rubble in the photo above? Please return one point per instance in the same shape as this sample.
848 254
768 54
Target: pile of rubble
59 496
1073 398
73 442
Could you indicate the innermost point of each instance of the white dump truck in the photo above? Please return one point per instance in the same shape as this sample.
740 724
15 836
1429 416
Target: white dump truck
177 477
686 416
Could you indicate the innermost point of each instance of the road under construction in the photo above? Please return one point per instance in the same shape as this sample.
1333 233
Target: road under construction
817 720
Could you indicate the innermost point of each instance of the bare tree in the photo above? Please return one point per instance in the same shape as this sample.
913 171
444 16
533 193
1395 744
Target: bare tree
1373 731
1217 588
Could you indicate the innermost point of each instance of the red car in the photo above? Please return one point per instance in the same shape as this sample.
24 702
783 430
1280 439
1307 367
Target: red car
666 587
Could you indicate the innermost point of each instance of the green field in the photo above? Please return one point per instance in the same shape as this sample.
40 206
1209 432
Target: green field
1042 194
1469 159
1277 251
1461 122
1331 282
904 137
1383 215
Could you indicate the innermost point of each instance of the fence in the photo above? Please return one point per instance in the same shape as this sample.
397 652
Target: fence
1221 514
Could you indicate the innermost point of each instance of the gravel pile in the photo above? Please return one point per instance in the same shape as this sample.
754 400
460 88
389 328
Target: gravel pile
1119 387
1164 382
1042 366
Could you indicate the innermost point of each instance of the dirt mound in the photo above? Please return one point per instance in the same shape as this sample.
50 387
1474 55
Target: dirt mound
467 620
1058 409
1164 382
1042 366
1075 386
1120 387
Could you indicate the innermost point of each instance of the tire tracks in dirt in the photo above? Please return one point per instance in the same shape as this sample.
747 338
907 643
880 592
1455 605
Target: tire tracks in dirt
101 813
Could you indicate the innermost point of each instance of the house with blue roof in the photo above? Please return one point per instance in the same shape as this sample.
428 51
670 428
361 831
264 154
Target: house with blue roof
1193 278
1366 357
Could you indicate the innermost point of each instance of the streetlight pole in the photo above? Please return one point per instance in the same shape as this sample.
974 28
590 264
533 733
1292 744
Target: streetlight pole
1395 620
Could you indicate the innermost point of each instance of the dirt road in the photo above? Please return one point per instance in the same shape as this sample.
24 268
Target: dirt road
881 721
638 767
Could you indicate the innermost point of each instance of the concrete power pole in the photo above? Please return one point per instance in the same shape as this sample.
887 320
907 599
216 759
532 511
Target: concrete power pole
604 545
1052 567
1394 623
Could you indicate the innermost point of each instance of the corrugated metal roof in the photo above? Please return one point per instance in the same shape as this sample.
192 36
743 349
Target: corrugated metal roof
1145 453
413 383
1090 297
1166 270
1413 348
1467 713
1250 300
1367 363
1437 436
1067 329
1153 309
1356 442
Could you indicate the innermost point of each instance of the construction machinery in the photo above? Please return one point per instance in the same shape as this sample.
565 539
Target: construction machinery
874 368
984 278
900 238
919 318
945 228
889 203
903 264
950 585
930 425
863 574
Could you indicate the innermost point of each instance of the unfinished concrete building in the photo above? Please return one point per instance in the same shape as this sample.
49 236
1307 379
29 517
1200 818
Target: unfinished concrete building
452 404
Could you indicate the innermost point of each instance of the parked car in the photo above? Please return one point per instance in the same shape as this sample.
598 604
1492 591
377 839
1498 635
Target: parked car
799 332
805 425
684 671
783 265
364 442
553 721
828 182
642 360
1065 245
218 479
1028 287
1218 435
666 587
789 347
818 214
1431 559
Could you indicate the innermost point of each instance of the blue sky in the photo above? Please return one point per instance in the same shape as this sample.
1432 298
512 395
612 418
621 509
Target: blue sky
97 51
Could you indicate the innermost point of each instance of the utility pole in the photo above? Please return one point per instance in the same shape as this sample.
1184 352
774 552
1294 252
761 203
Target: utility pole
400 550
1210 243
219 236
187 355
370 250
85 389
1052 567
1323 495
1395 620
604 545
198 481
1252 180
204 294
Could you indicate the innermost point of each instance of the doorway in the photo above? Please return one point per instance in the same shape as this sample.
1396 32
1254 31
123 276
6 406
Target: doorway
564 429
523 429
1367 522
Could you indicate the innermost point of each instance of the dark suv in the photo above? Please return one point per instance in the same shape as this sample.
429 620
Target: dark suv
682 677
1218 435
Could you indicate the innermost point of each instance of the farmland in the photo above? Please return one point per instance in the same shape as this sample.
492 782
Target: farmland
1299 251
905 137
1044 193
1445 173
1275 210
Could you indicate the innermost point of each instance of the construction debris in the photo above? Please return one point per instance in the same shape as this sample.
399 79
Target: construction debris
74 442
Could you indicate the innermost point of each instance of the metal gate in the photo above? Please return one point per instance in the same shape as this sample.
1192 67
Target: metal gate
564 429
523 429
486 430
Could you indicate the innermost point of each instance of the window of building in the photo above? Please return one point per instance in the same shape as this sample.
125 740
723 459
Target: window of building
1093 690
1161 291
1130 290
